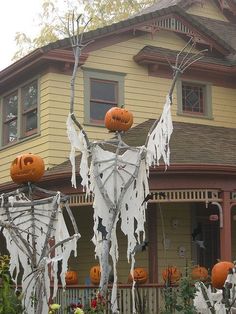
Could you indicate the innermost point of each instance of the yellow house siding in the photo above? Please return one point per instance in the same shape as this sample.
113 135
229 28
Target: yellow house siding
207 9
144 96
178 237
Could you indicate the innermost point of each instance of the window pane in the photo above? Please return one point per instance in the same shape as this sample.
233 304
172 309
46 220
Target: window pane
193 96
10 106
31 121
103 90
29 96
98 111
11 131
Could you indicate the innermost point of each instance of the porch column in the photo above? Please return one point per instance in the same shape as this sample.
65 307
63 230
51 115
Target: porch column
225 232
152 245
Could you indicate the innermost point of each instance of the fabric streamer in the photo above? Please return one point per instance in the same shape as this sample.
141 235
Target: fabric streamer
118 180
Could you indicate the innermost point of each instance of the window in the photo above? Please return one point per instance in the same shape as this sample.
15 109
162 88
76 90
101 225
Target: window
194 99
20 113
102 90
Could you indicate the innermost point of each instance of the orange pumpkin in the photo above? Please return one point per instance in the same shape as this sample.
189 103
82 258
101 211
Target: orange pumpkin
71 277
27 168
171 274
199 273
118 119
219 273
140 275
95 274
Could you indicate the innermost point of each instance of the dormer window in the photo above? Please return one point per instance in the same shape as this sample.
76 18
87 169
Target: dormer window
20 113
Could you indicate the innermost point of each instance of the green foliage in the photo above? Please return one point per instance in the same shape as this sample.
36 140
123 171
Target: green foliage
180 299
53 21
9 302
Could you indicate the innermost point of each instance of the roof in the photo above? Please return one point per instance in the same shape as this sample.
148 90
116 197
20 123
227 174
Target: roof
220 35
162 8
190 144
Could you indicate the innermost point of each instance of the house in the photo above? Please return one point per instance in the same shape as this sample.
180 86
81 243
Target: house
194 199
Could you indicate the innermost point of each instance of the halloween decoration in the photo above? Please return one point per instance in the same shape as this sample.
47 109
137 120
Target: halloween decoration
199 273
171 275
27 168
38 241
95 274
117 174
139 275
219 273
118 119
221 301
71 277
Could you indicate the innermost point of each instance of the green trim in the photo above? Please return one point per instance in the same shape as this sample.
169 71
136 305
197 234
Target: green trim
102 75
207 99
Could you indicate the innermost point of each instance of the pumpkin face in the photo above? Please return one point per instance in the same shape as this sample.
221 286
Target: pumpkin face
140 275
171 274
219 274
71 277
118 119
95 274
199 273
27 168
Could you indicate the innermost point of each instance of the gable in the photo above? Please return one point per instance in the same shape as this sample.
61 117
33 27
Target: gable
208 9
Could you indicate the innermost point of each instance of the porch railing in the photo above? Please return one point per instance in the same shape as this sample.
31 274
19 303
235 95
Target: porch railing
148 298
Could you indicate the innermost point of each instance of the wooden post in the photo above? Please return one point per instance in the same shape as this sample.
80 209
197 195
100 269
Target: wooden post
225 232
152 245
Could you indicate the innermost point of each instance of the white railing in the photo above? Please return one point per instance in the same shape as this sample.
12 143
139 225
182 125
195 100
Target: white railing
148 298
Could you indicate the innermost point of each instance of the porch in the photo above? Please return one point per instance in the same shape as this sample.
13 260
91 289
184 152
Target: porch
148 298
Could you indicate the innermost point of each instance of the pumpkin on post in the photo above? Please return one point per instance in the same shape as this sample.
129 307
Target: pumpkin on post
140 275
27 168
95 274
171 275
71 277
118 119
199 273
219 273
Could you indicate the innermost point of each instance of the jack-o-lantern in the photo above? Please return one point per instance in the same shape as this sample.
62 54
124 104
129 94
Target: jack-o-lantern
27 168
140 275
71 277
219 273
118 119
171 275
95 274
199 273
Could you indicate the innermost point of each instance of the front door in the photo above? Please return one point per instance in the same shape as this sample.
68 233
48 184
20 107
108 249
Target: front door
206 235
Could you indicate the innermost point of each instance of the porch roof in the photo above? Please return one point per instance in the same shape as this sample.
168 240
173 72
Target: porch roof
190 144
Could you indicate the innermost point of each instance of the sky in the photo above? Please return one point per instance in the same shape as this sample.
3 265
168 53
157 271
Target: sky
16 16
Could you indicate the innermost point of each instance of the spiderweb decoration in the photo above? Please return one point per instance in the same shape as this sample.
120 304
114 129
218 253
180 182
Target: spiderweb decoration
38 240
119 183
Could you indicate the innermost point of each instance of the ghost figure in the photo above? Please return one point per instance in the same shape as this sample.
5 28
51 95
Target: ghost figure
118 178
119 183
37 239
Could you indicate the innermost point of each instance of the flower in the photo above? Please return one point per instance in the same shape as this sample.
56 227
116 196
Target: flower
55 306
78 310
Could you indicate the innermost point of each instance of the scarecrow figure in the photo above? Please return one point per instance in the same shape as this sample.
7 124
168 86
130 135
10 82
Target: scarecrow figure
36 234
117 174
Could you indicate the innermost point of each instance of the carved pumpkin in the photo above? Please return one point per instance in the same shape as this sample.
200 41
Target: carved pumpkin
71 277
171 274
118 119
27 168
140 275
199 273
219 273
95 274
